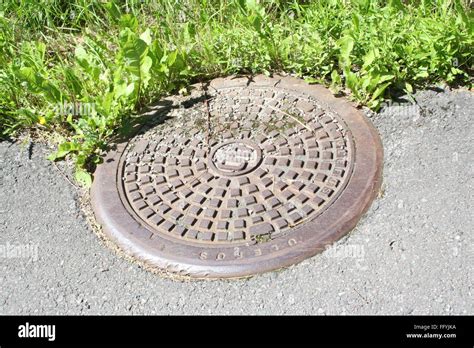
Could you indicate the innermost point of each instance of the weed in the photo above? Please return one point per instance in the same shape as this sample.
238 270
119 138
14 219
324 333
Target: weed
82 69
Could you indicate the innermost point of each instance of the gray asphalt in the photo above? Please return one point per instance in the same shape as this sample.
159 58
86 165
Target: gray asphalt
411 254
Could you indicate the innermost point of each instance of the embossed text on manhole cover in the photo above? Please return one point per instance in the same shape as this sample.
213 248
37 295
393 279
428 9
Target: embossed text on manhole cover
249 176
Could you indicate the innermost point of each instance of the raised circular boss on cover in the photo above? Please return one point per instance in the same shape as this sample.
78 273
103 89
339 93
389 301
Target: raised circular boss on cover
245 176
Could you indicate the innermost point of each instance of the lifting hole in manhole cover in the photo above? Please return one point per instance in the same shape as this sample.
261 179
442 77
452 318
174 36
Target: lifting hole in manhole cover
262 176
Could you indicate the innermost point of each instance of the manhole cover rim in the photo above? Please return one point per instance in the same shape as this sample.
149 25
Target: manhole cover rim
298 245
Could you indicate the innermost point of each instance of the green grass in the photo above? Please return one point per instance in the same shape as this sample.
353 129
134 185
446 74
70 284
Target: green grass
111 58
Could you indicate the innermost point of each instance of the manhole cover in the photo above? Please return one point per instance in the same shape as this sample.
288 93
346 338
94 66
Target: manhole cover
266 173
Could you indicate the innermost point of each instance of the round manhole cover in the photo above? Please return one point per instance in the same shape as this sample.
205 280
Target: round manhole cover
250 176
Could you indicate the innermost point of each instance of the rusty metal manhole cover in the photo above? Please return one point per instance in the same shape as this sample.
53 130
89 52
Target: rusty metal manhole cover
264 174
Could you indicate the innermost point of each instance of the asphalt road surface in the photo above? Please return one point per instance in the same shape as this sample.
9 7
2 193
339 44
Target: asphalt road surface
410 254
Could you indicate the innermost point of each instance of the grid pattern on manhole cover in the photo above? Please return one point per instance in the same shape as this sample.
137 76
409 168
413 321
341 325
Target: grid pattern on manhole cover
263 162
253 175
